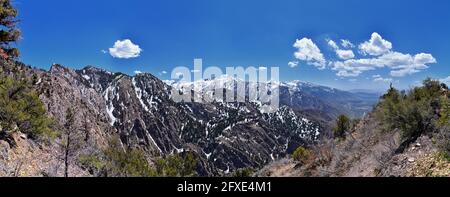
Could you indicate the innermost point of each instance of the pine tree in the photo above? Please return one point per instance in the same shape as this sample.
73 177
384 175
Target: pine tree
71 139
70 122
342 126
21 107
8 30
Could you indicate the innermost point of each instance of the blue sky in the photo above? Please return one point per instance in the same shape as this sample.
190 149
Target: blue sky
224 33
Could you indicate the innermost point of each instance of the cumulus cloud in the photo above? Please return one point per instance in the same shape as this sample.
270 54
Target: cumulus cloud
125 49
293 64
405 64
379 78
375 46
376 53
345 54
399 63
308 51
342 54
383 56
351 68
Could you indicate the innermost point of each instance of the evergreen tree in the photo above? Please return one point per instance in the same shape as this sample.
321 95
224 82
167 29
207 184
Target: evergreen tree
71 140
21 107
342 126
8 30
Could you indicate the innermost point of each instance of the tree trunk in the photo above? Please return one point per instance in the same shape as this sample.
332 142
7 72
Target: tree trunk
66 158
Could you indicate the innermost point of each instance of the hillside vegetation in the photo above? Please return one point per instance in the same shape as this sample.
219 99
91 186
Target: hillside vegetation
407 134
21 109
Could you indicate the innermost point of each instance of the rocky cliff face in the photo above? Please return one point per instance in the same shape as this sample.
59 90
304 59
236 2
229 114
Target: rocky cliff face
226 136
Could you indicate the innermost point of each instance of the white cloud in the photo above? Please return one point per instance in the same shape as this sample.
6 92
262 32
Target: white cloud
125 49
406 64
375 46
104 51
333 44
342 54
424 58
137 72
379 54
347 44
345 54
308 51
399 63
351 68
293 64
379 78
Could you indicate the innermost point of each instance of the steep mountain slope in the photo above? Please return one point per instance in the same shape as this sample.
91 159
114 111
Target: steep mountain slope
226 136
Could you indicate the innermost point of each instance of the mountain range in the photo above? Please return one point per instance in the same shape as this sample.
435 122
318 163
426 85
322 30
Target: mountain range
225 136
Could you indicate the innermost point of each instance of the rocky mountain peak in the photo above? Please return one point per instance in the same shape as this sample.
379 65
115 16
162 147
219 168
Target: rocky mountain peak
225 136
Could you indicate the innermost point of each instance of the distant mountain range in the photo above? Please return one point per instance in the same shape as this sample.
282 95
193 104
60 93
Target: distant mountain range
321 102
225 136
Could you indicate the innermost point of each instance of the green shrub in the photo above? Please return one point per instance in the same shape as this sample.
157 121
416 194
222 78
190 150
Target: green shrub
92 163
177 165
342 126
422 109
302 155
444 155
122 162
21 107
444 114
117 161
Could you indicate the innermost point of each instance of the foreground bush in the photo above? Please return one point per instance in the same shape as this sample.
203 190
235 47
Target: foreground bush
178 165
342 126
21 109
421 110
117 161
302 155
